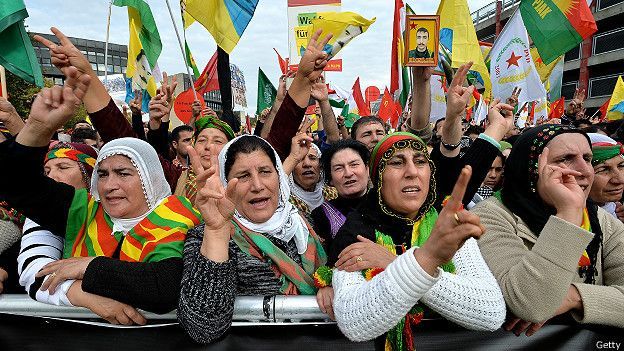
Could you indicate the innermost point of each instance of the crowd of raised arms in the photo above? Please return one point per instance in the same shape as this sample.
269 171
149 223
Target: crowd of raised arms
498 228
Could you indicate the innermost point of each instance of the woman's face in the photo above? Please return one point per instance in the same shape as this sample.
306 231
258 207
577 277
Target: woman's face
257 192
308 172
209 143
120 188
608 182
571 150
65 171
495 174
405 183
349 174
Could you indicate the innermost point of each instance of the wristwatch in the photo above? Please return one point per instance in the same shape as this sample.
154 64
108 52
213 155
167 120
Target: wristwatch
450 147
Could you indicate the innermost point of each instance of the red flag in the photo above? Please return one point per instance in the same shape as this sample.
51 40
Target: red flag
603 110
209 79
557 108
282 63
363 109
248 124
468 114
387 108
396 112
395 69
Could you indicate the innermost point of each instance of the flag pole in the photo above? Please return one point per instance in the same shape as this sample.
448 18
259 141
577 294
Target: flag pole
188 70
110 7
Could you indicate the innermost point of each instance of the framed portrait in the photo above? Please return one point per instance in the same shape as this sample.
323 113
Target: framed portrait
422 37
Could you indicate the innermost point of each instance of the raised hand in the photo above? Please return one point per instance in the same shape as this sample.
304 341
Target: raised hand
197 108
159 107
363 255
314 59
421 75
557 186
319 90
54 106
453 227
281 88
136 104
209 112
300 146
62 270
513 99
458 96
500 119
167 89
576 104
7 111
66 54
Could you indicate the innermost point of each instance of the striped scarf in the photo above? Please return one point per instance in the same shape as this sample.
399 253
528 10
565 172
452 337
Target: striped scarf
158 236
295 280
71 154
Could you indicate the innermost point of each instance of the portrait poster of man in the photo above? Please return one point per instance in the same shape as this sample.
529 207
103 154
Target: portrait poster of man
421 40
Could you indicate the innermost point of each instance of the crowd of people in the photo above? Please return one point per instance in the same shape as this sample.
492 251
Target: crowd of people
485 226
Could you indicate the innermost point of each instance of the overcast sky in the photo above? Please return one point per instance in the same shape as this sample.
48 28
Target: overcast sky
367 56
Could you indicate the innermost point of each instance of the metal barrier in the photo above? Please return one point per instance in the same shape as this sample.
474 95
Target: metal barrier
488 11
256 309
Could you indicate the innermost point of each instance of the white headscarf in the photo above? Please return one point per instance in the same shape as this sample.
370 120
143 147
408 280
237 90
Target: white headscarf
286 223
312 198
145 160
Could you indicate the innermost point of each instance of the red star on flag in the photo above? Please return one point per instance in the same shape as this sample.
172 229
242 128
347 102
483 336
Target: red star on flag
513 60
413 25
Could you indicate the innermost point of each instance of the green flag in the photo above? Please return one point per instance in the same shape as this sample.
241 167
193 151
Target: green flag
140 13
266 92
17 53
190 61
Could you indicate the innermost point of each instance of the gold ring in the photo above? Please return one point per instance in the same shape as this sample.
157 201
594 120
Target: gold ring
358 259
53 274
457 221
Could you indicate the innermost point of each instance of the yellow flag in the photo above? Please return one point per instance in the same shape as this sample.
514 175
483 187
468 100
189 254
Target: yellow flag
616 104
455 16
343 25
543 70
138 66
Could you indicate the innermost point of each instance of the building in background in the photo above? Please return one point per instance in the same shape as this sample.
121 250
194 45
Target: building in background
92 49
594 65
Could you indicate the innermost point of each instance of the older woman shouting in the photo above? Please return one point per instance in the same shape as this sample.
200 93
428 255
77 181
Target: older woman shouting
438 264
253 242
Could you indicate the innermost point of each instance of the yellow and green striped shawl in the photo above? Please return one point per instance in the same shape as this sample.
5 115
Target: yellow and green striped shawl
156 237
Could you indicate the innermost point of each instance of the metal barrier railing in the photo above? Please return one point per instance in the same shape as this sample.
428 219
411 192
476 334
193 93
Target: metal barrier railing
488 11
247 309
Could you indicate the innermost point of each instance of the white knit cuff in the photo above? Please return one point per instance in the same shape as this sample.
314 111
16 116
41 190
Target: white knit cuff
409 276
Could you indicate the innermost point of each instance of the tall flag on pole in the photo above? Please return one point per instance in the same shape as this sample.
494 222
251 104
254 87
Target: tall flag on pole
459 38
557 26
616 104
387 108
144 47
209 79
17 54
226 20
283 64
188 56
266 92
399 74
511 64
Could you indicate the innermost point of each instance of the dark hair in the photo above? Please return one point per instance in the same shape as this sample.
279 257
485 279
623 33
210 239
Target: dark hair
344 144
363 121
79 135
81 121
246 145
472 129
423 29
175 133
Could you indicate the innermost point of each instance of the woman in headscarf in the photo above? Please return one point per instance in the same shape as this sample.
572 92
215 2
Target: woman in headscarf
438 263
138 265
253 241
552 251
210 135
305 176
608 162
72 164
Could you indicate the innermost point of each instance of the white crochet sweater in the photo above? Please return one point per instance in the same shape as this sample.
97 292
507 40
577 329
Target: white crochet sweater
471 298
